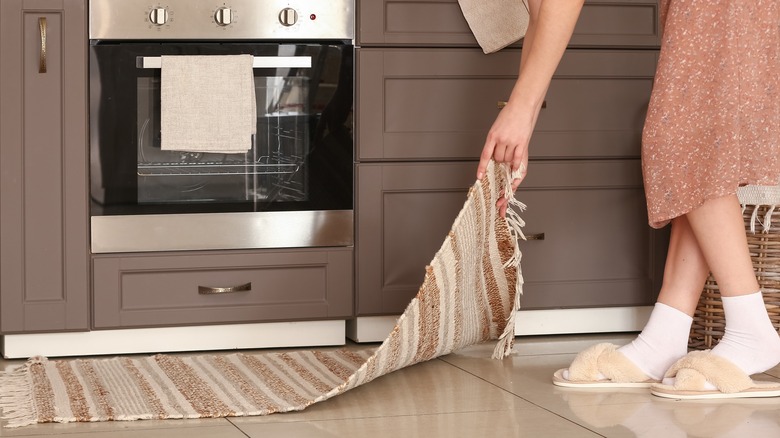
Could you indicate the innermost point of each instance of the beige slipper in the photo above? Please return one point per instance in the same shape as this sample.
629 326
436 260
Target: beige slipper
602 366
697 373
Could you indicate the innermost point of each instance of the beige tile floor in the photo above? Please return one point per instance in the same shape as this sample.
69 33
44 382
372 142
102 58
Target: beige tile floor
470 395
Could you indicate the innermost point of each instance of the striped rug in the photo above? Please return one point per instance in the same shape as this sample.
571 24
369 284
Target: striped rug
469 295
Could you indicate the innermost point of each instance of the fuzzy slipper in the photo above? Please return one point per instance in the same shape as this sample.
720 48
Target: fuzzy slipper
602 366
703 375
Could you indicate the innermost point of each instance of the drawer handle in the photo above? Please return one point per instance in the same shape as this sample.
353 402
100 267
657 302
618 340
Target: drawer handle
42 60
502 103
536 236
205 290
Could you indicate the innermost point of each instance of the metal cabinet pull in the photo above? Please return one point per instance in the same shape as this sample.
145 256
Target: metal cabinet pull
205 290
42 61
502 103
536 236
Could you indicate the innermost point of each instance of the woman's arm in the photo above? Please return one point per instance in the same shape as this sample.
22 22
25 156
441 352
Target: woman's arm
550 27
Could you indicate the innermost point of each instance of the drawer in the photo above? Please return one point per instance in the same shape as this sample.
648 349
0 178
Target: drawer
438 104
606 23
142 290
597 248
589 243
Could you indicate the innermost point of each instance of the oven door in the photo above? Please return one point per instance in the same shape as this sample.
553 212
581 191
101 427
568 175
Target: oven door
293 188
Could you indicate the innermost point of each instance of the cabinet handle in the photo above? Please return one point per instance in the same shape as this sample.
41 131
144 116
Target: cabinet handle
205 290
502 103
535 236
42 61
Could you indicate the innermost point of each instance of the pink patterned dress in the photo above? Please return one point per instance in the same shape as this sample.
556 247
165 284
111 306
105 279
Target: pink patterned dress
714 118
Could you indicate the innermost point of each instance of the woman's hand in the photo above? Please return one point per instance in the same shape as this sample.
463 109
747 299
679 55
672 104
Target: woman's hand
507 142
550 27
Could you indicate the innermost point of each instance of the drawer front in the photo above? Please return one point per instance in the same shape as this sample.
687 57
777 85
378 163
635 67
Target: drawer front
597 248
612 23
589 243
438 104
177 289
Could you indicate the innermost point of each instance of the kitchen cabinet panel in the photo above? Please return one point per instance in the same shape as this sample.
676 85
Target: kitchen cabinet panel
44 268
405 211
589 243
438 104
597 249
613 23
426 98
145 290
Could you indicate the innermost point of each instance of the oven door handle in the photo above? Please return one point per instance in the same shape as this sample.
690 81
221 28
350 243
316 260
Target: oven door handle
259 62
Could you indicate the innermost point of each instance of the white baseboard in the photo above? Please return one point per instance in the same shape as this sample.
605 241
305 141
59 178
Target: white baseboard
296 334
577 321
175 339
529 322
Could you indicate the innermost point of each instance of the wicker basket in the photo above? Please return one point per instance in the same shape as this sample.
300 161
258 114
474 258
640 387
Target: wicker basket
764 245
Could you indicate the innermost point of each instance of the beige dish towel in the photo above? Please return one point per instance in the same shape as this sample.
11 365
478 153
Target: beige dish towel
208 103
496 23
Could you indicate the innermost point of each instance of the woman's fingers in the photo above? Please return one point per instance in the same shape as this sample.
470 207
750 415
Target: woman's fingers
502 153
484 158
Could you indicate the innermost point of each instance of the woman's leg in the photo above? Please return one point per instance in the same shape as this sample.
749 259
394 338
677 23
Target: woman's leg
720 230
685 271
664 339
750 340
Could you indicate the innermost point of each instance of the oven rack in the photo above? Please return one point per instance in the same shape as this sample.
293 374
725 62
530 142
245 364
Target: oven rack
216 169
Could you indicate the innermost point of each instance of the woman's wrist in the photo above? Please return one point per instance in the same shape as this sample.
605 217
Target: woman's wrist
523 100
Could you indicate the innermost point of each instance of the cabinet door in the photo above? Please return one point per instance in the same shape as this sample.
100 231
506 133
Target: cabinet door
612 23
438 104
44 267
404 213
593 248
589 244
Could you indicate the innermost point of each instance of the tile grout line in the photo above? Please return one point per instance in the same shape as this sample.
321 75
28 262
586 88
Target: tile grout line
237 427
523 398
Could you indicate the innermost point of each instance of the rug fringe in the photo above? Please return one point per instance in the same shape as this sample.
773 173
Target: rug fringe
16 400
506 339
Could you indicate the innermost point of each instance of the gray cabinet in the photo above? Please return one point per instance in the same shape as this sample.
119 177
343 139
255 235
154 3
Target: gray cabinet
44 268
426 23
146 290
437 104
426 98
404 213
589 244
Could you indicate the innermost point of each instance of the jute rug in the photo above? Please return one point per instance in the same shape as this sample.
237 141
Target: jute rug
469 295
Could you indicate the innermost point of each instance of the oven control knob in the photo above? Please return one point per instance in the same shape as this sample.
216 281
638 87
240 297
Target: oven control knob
158 16
288 17
223 16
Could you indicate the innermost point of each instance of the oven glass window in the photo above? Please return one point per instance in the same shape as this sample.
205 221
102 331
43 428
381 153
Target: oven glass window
301 156
272 170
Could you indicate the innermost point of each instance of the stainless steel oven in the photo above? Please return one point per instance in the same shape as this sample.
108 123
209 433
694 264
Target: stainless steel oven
292 186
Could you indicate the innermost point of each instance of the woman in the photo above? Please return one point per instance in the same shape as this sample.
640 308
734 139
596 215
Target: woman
712 125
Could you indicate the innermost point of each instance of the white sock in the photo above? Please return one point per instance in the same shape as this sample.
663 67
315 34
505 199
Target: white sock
750 340
662 342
